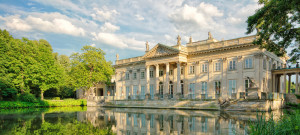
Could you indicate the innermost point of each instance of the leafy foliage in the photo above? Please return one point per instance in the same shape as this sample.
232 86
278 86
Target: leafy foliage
286 125
6 91
90 67
277 24
27 97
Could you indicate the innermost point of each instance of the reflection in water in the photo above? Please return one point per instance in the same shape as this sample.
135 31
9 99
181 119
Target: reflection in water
123 121
152 121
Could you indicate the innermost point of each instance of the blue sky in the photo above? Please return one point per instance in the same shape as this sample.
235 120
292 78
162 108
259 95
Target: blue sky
123 26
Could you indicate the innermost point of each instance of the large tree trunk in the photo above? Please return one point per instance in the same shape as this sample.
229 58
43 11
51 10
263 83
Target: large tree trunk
42 95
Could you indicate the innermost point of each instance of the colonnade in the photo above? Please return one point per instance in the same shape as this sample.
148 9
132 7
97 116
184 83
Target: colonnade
279 86
166 76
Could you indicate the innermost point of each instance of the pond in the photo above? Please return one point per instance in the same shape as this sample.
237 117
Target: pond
124 121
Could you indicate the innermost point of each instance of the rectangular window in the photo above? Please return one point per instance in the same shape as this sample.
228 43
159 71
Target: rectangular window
127 76
204 87
127 91
264 64
152 120
171 72
143 120
161 90
217 87
192 70
135 91
142 75
247 83
232 65
192 90
151 91
248 63
134 75
204 67
232 86
181 71
151 74
161 73
217 66
142 92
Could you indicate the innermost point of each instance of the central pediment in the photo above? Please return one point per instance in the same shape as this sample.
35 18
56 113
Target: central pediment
161 50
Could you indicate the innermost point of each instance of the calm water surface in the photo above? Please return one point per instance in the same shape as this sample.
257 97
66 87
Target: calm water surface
123 121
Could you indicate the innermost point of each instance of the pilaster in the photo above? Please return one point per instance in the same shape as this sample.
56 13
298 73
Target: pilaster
178 78
148 79
157 78
166 90
224 90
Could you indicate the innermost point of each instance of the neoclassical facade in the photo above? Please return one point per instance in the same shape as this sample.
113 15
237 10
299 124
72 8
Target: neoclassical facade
205 69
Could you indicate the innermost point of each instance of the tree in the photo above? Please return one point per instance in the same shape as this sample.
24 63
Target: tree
277 25
49 73
28 65
90 67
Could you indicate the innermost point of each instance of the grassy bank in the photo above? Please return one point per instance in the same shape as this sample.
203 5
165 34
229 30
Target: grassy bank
44 103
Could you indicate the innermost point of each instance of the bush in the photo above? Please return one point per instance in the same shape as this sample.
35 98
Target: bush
27 97
56 98
7 92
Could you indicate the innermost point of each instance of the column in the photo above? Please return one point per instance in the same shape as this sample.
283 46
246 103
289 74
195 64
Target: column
224 89
178 78
284 83
273 83
148 79
167 79
297 83
157 78
289 84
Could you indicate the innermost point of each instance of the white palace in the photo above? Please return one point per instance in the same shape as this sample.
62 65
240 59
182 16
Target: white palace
205 69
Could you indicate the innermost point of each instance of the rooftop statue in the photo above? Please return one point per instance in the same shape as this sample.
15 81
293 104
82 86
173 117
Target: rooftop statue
147 46
178 40
117 55
209 36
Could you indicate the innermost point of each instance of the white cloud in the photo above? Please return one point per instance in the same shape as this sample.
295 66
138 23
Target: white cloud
104 14
119 41
234 20
93 45
139 17
108 27
43 22
189 18
15 23
110 39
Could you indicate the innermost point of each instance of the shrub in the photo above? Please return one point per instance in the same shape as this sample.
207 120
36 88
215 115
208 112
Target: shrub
27 97
56 98
6 91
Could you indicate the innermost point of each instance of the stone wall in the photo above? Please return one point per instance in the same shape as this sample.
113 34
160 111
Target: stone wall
167 104
235 105
256 105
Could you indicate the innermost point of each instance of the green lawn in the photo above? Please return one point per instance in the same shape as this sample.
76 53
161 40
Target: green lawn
45 103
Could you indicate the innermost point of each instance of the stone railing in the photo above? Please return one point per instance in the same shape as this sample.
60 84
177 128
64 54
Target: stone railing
134 59
198 46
